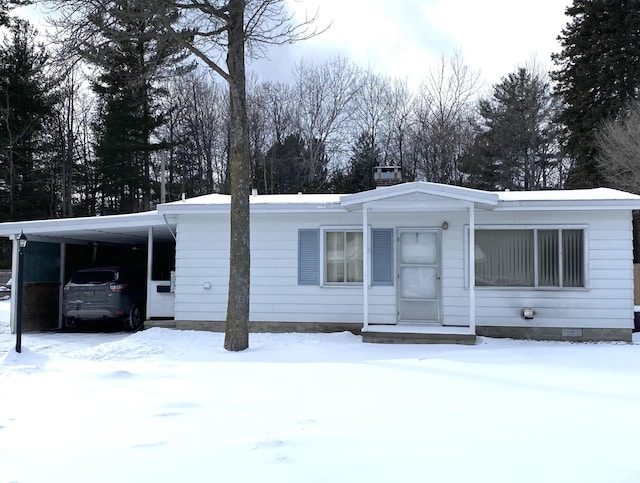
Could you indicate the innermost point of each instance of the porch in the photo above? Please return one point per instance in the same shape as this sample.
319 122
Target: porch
417 334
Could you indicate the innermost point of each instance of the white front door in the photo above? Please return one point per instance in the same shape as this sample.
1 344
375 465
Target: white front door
419 275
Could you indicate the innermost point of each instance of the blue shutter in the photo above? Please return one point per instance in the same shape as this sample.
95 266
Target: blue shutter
382 256
308 257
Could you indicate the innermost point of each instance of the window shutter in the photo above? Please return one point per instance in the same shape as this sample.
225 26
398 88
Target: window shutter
382 256
308 257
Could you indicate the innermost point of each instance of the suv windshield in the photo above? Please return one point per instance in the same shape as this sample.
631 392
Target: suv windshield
94 276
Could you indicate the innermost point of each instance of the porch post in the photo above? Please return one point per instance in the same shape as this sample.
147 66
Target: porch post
365 268
472 269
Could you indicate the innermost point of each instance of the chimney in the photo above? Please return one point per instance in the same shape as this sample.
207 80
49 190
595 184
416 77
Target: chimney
387 175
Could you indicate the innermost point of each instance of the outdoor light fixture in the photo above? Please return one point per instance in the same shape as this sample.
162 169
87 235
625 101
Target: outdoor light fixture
445 225
22 240
22 244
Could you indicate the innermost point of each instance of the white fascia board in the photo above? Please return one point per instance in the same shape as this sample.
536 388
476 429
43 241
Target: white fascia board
52 226
566 205
255 207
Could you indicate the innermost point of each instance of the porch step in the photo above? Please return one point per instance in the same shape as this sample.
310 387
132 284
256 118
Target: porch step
385 337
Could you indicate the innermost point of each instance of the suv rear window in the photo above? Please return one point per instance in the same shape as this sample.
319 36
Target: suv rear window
94 276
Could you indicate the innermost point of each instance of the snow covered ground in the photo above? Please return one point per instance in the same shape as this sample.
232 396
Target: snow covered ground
173 406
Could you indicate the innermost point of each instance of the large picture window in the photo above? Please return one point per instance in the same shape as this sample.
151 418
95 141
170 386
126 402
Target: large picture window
343 257
537 257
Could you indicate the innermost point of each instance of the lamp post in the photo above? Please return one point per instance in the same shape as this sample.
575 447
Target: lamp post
22 244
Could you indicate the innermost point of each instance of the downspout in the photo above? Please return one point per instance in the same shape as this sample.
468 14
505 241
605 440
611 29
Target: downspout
472 269
164 217
365 268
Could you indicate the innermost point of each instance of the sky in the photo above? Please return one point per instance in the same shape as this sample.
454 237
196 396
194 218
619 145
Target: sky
169 406
407 38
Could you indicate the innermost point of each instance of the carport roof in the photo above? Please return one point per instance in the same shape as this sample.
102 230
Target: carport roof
127 229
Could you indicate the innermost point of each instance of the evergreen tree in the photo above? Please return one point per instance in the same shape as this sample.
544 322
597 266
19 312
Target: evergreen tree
26 102
133 54
598 74
5 10
283 167
515 147
358 176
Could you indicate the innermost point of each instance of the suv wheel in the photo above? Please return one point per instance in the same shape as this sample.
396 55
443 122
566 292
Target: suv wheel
134 320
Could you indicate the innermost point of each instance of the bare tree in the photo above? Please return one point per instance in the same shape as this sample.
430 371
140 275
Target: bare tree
619 160
324 96
218 33
443 111
211 30
271 121
619 147
197 135
396 141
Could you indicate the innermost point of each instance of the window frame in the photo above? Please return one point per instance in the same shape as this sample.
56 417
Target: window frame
323 254
535 228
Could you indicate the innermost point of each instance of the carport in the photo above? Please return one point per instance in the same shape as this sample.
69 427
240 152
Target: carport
56 248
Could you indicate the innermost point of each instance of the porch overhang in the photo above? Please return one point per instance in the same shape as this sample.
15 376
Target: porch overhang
420 196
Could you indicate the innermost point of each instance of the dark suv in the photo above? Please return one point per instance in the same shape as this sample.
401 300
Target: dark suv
103 294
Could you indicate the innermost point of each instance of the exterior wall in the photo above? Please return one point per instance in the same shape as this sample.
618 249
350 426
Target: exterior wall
607 302
202 254
202 261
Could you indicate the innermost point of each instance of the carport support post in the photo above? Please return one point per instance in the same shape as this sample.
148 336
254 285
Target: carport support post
63 262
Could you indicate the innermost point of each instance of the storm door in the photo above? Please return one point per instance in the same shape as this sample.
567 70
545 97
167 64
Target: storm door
419 276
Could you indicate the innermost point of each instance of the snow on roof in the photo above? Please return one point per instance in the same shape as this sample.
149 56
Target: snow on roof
594 194
218 199
548 199
270 203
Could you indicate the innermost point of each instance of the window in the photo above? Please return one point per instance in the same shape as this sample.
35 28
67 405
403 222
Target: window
537 257
343 255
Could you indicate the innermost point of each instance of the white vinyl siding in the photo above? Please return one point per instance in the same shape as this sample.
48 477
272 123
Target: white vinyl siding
605 301
202 255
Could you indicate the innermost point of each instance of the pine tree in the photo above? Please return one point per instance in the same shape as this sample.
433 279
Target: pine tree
282 169
26 102
132 54
597 75
515 147
358 175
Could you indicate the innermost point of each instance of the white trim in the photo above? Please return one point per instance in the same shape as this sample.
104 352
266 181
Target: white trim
472 269
470 241
365 266
448 192
323 255
398 265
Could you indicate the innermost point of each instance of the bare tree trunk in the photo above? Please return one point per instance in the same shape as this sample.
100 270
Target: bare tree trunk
236 333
